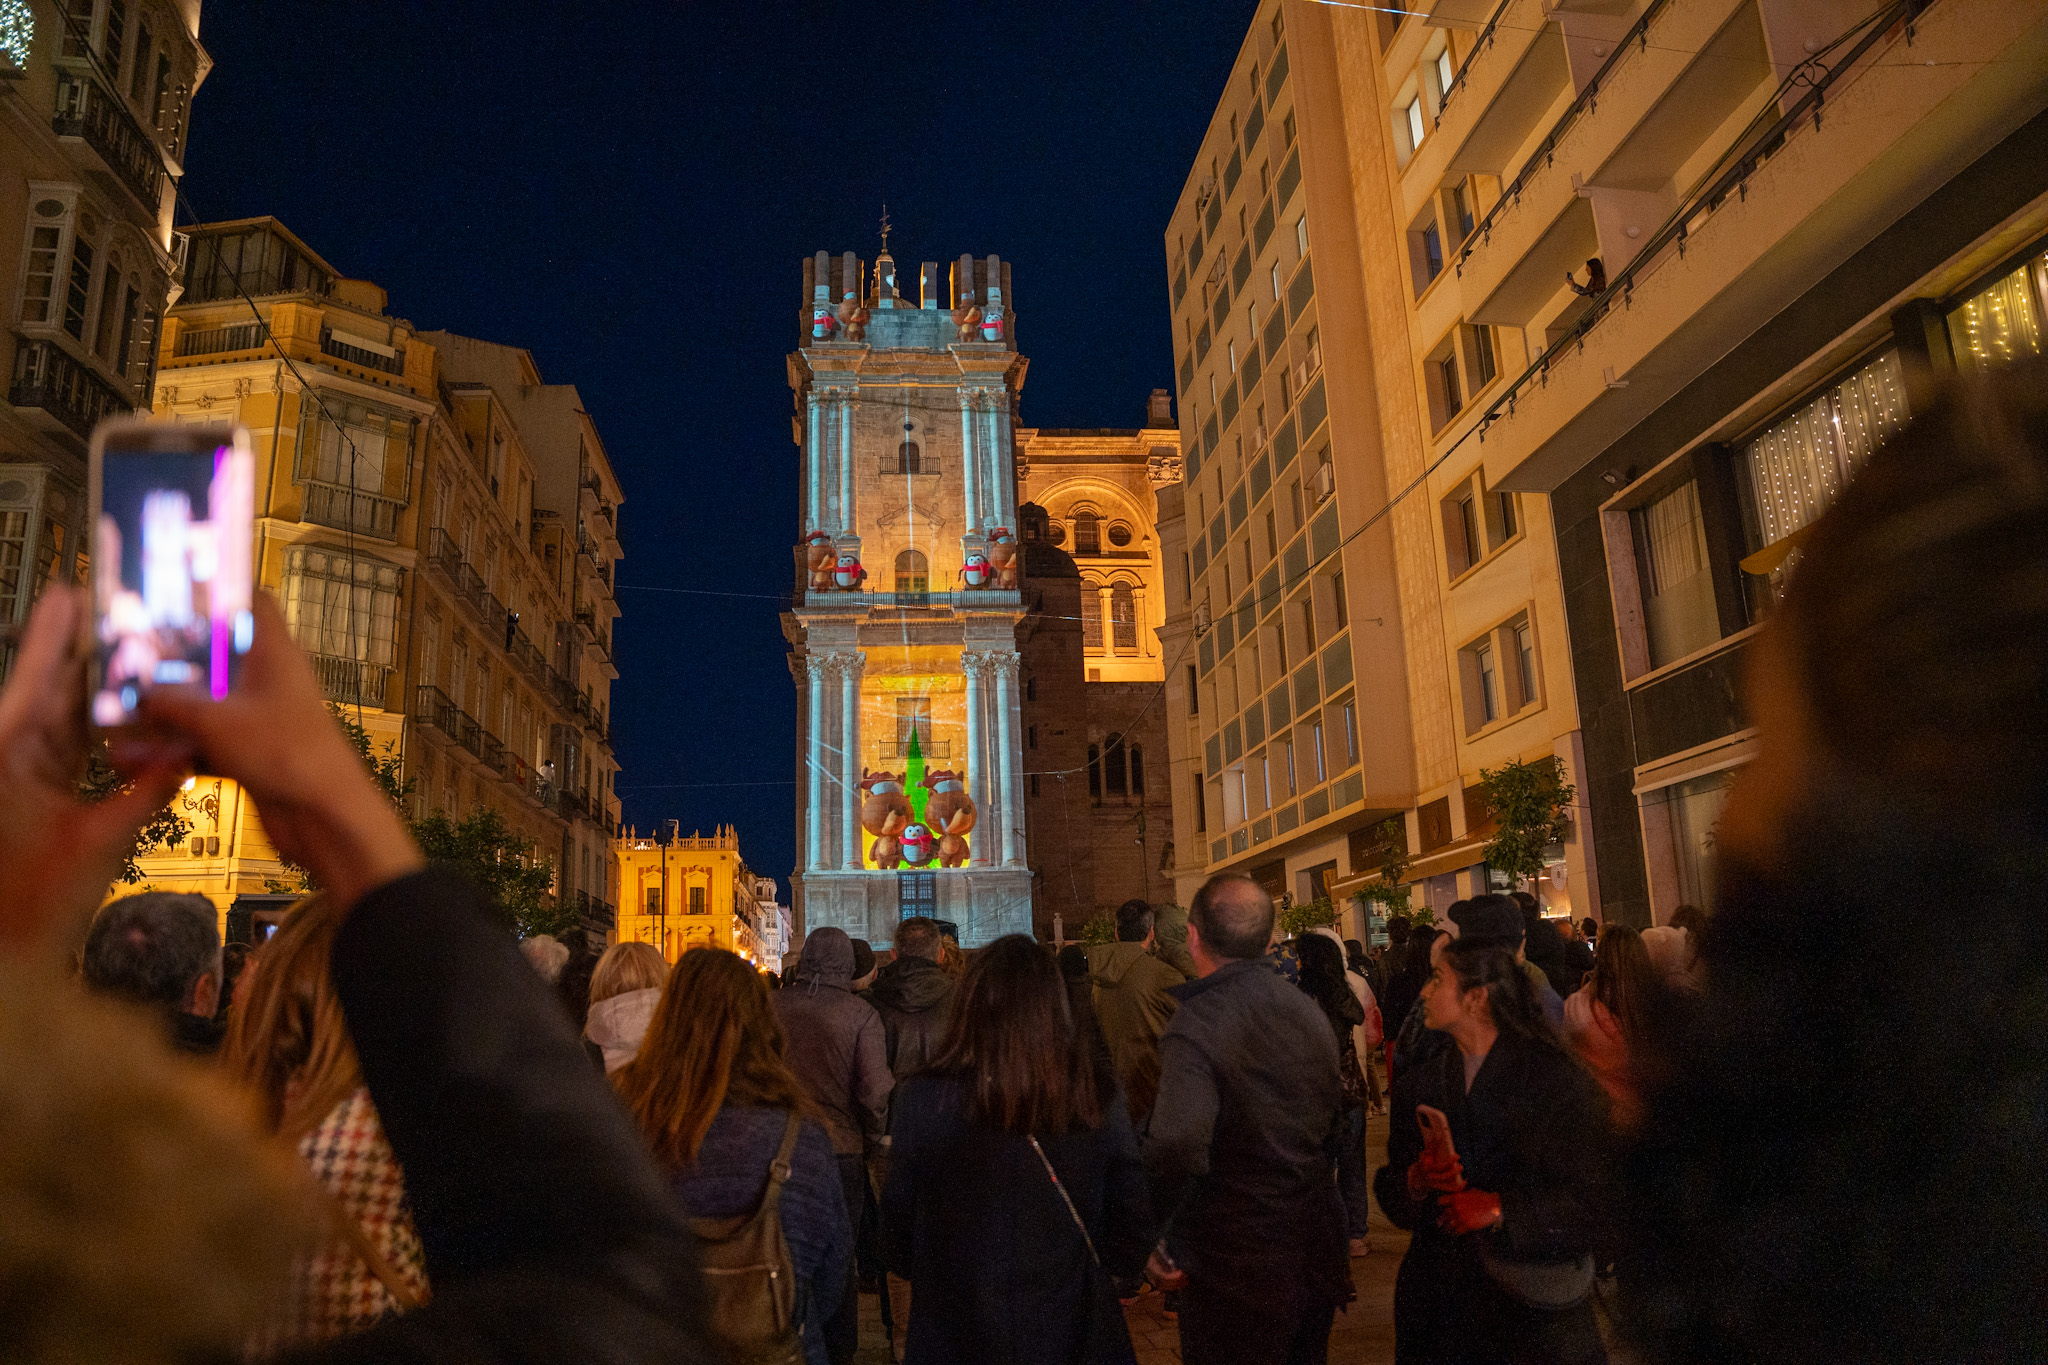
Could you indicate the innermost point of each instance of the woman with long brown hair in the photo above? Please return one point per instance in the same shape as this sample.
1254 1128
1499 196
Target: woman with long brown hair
715 1100
1605 1017
1015 1191
288 1044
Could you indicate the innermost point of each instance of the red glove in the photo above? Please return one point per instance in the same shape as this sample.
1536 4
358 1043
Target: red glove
1468 1211
1433 1174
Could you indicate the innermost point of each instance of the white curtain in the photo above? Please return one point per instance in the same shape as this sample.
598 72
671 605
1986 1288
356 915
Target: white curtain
2002 324
1799 466
1677 540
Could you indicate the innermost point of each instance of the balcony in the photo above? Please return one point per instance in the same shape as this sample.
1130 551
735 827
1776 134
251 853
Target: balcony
940 749
88 114
351 681
48 380
364 514
249 336
432 706
444 554
357 355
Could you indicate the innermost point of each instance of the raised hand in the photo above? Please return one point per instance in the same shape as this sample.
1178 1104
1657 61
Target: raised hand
60 853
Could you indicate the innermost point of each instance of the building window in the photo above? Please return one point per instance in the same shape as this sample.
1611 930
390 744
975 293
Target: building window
1428 251
1301 236
78 289
1459 200
1134 756
1194 692
13 562
344 608
1115 779
1413 115
1462 546
1095 772
1123 617
700 900
1484 364
1340 612
653 900
913 575
1087 533
1446 73
1350 733
1447 384
353 444
1315 732
1091 618
1795 469
39 286
1692 811
1482 657
1201 809
1525 663
1671 567
1119 535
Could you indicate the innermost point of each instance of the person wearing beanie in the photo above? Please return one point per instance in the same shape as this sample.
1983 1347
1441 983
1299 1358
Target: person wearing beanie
864 967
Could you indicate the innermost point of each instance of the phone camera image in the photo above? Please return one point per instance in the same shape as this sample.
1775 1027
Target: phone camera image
172 587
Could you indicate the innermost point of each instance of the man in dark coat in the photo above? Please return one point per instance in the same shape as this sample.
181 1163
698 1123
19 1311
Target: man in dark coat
1238 1147
161 949
1133 1002
914 996
838 1050
1563 963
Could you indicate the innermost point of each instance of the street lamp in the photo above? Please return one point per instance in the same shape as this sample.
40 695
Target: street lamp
662 840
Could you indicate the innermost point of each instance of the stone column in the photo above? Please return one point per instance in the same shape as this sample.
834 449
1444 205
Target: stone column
814 471
846 463
851 664
1004 666
969 475
972 666
814 763
997 464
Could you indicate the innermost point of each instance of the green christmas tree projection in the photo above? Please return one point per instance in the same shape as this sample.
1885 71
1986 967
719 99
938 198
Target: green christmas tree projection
913 777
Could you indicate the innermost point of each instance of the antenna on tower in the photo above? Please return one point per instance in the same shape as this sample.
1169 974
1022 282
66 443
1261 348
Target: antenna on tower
885 229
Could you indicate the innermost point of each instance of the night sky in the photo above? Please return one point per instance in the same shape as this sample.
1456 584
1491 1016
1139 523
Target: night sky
628 190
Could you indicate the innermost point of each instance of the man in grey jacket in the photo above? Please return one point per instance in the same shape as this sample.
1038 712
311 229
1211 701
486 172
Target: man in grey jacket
1239 1147
836 1049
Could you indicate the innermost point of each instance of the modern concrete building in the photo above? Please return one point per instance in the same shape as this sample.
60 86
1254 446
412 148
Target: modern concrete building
1782 220
406 523
1364 625
97 98
907 668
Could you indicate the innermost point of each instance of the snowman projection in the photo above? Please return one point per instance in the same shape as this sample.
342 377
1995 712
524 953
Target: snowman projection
992 324
823 324
917 844
976 571
847 574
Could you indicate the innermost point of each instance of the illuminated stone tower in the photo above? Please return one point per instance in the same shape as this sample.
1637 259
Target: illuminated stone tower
903 629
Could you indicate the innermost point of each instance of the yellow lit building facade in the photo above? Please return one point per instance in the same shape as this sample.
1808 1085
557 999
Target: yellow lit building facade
683 891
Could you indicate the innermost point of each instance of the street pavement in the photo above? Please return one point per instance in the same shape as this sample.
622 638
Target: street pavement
1363 1335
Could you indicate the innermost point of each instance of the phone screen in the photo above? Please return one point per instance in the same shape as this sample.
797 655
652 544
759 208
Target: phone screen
172 562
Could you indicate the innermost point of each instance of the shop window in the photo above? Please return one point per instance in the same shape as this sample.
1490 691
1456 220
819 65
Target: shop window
2003 323
1692 814
1672 571
1794 469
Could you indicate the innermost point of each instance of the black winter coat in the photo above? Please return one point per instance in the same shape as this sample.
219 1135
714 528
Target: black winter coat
915 999
998 1271
550 1235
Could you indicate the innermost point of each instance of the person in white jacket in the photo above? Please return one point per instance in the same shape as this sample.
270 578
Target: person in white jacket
624 990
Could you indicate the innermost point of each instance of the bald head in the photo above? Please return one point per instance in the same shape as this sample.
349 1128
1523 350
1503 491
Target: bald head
1234 916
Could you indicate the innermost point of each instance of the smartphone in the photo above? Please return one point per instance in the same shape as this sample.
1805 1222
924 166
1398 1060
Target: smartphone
173 512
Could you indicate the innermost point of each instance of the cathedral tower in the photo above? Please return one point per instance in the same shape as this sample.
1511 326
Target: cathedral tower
903 628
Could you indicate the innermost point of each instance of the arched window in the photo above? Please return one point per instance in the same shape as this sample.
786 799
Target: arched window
1123 619
1087 533
1113 783
907 458
1091 617
912 574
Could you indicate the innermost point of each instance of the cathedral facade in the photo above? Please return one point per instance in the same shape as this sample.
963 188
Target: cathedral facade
903 623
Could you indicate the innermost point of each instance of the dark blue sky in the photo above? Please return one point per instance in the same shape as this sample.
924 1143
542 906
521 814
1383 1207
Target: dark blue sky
628 190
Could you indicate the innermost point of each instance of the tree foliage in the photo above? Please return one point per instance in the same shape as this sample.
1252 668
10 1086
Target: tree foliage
504 864
101 781
1533 803
1299 919
1101 929
1391 848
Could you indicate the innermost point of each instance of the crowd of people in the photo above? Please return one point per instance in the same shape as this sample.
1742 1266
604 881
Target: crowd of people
1793 1126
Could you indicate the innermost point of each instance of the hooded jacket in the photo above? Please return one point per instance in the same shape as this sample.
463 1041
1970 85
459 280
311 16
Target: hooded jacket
914 996
618 1023
1133 1007
836 1043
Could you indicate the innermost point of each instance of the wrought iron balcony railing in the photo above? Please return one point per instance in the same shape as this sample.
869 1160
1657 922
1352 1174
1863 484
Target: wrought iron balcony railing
249 336
89 113
356 355
49 378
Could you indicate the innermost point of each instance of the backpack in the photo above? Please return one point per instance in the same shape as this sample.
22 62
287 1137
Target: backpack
749 1280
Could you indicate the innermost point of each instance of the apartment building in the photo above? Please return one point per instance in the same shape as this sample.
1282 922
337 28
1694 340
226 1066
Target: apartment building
1717 249
403 522
97 97
1363 625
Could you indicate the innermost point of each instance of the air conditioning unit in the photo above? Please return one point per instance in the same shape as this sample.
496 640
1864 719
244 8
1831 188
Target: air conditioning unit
1202 621
1325 483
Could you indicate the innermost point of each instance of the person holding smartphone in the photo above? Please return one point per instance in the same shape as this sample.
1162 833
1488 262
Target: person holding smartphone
1497 1161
